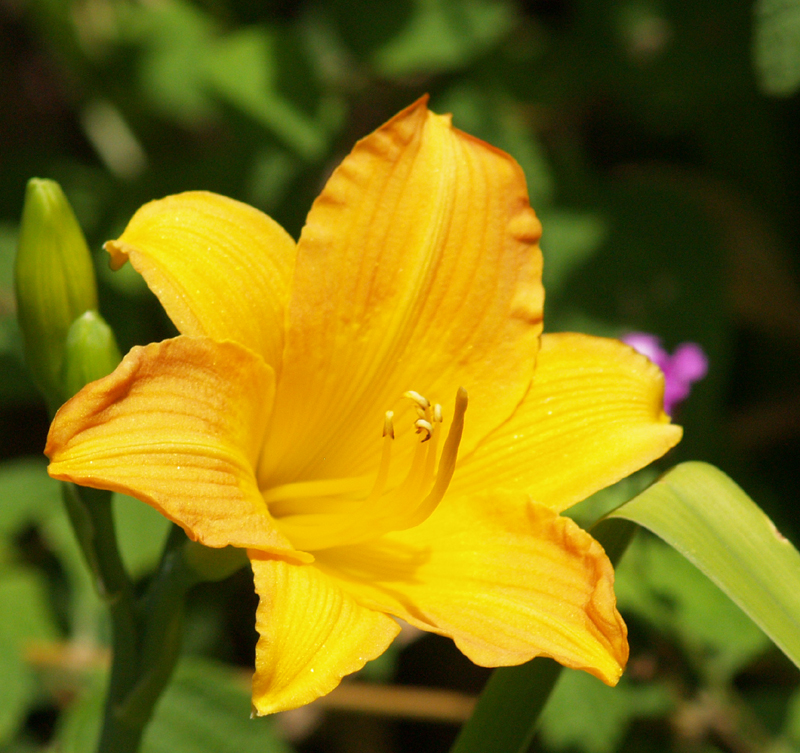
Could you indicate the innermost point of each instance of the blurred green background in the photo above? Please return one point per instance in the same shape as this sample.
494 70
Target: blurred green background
661 142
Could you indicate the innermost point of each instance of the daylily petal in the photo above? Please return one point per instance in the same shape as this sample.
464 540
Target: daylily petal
594 415
179 425
219 267
418 269
506 578
312 634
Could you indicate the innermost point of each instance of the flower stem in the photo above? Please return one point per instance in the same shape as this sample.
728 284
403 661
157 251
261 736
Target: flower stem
160 614
146 632
92 518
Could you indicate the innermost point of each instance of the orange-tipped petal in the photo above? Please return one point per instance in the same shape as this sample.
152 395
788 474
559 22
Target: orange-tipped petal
506 578
219 267
418 269
594 414
311 635
179 425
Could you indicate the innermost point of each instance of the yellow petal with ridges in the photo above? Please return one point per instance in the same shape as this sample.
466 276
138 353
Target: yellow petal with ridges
311 635
219 267
418 269
506 578
179 425
594 415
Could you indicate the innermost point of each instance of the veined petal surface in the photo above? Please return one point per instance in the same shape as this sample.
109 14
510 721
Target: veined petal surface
506 578
179 425
418 269
219 267
594 415
312 634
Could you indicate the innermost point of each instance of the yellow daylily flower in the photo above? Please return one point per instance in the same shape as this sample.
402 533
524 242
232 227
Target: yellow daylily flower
313 410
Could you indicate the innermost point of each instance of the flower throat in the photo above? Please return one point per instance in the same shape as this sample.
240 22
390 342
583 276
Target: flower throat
326 513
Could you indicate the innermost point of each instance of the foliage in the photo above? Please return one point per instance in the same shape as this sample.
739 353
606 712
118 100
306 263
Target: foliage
660 142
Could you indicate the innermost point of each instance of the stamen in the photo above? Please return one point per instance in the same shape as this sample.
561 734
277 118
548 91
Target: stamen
447 463
320 514
421 475
430 461
383 469
415 481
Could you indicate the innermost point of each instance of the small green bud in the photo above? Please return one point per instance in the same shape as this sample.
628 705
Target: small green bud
90 352
55 282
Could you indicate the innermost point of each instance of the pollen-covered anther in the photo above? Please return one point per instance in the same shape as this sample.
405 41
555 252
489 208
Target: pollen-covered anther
428 415
424 426
421 401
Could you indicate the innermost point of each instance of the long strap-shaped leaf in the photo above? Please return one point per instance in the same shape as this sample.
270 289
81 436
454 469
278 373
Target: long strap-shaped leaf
705 516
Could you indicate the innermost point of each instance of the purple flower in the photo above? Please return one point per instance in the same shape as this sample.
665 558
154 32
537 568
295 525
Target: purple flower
686 365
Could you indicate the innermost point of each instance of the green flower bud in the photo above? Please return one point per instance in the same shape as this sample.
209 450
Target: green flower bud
90 352
55 282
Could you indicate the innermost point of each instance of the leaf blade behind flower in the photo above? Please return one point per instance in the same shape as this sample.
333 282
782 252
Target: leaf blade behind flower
705 516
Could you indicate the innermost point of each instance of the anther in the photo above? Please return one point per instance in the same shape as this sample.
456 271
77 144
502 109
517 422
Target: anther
421 401
437 413
426 426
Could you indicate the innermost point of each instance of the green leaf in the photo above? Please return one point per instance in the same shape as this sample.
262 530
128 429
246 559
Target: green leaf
241 69
24 606
592 509
442 35
508 709
79 725
777 46
208 707
205 708
587 715
571 238
28 494
792 726
174 36
705 516
141 533
657 583
30 497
